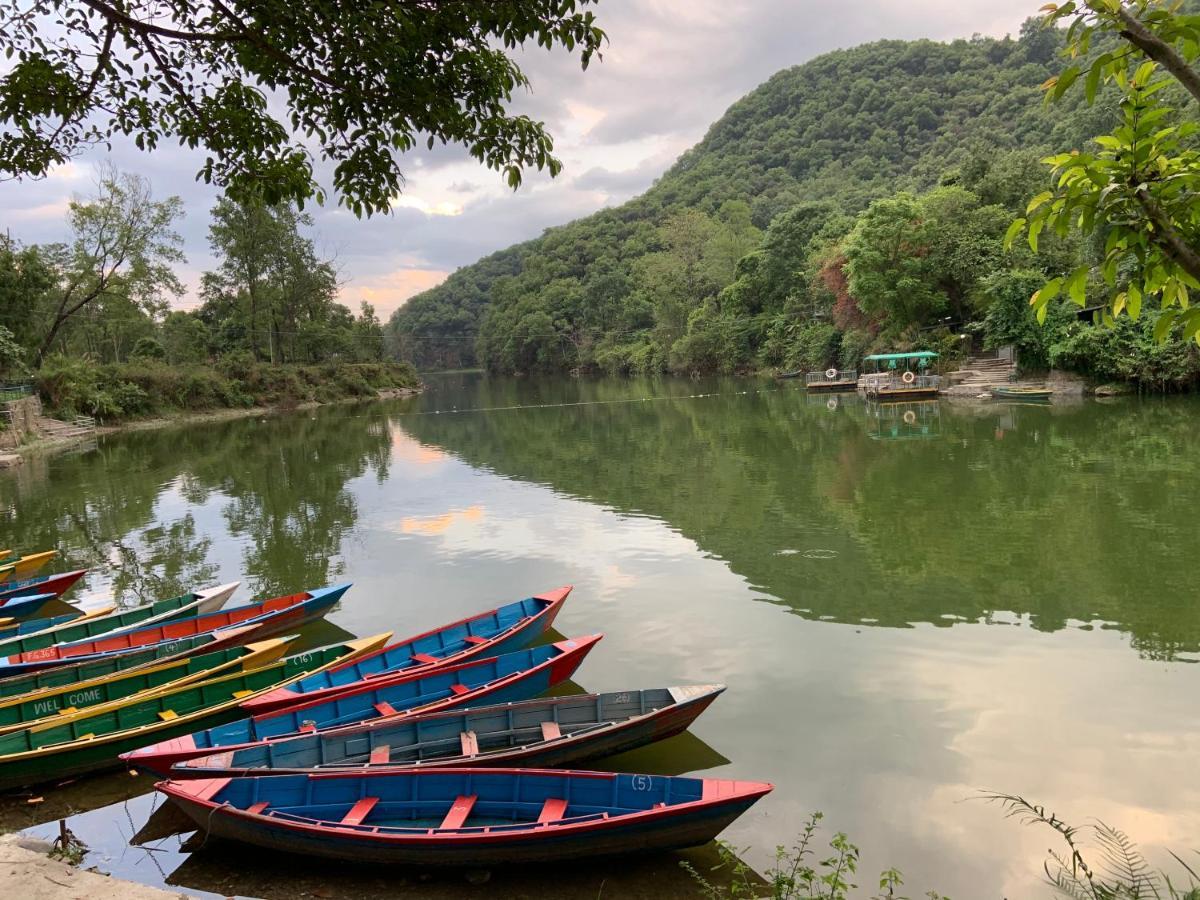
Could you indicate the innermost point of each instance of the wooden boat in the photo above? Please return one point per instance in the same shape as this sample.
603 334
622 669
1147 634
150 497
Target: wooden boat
1022 393
92 740
60 700
555 731
101 665
274 616
492 633
18 567
513 676
12 629
785 376
465 817
26 607
40 584
111 622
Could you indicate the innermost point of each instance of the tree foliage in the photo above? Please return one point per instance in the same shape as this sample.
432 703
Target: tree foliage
1134 191
950 130
263 87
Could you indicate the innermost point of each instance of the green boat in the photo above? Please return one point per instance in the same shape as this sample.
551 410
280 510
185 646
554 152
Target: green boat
190 604
92 740
21 712
103 664
1021 393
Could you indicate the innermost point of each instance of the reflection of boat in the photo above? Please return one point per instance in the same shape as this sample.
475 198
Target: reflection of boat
497 631
1022 393
902 378
513 676
831 380
904 421
471 817
556 731
92 739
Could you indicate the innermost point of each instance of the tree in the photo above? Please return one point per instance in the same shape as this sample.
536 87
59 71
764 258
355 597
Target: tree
270 280
1137 191
257 84
891 272
122 250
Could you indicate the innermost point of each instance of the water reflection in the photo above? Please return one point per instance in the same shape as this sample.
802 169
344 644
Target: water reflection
937 512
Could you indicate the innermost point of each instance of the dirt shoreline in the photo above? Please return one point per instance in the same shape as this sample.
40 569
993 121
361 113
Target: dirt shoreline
50 444
28 872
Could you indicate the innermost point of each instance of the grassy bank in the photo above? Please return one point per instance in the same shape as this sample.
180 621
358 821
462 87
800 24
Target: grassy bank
123 392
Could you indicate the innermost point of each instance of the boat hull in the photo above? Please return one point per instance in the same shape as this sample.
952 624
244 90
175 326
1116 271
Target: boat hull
42 584
401 697
596 738
622 832
832 387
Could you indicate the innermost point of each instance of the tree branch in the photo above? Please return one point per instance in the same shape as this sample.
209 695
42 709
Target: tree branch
1168 236
1158 50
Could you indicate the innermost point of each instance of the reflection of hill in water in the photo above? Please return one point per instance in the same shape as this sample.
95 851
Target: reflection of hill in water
1056 513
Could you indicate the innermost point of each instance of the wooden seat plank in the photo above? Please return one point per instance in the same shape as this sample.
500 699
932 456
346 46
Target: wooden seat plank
550 731
470 743
359 811
460 689
256 808
475 639
552 810
425 659
381 754
384 708
459 811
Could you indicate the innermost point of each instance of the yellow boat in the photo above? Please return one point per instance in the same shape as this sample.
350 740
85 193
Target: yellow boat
95 695
24 566
92 739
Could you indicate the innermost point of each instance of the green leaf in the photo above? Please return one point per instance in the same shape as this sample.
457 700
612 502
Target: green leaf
1013 230
1163 324
1135 301
1037 201
1035 228
1077 285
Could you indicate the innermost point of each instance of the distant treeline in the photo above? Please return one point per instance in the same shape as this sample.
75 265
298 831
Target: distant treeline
90 320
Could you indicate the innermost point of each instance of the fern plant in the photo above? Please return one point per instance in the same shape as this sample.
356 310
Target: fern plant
1121 871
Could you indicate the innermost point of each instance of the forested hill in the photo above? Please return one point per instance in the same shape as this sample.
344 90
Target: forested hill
740 255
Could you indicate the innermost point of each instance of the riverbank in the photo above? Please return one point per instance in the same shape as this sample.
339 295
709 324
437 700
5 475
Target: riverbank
28 871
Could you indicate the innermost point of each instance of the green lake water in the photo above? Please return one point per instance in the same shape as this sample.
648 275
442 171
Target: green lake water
908 603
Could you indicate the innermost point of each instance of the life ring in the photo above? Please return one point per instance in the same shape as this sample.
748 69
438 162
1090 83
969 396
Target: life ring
831 404
910 417
831 374
908 377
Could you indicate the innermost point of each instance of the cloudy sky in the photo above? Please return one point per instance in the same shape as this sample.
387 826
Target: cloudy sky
671 69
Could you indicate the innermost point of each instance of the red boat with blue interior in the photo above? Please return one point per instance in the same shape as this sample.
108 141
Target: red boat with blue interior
271 617
465 817
513 676
498 631
41 584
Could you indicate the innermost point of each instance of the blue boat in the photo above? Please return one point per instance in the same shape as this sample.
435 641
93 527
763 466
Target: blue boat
33 626
514 676
545 733
25 607
501 630
465 817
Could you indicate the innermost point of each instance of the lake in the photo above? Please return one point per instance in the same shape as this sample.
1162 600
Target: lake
908 603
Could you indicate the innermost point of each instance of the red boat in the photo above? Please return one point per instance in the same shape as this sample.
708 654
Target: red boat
274 616
465 817
42 584
495 632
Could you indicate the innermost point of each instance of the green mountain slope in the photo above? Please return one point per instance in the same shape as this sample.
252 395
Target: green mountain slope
618 290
